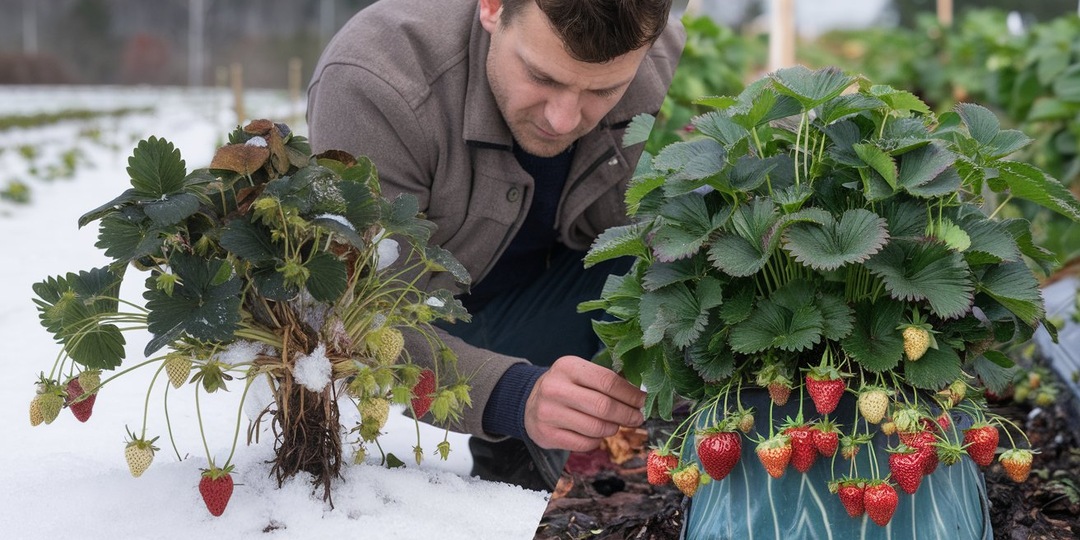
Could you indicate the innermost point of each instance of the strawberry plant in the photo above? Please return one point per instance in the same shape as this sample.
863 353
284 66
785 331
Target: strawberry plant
270 267
819 236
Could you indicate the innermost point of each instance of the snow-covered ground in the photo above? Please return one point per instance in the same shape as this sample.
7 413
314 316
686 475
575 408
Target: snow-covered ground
70 478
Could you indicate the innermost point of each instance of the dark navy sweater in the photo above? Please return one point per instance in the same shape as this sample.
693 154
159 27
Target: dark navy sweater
523 261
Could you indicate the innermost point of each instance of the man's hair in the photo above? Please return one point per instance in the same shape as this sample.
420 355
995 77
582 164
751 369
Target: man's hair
597 31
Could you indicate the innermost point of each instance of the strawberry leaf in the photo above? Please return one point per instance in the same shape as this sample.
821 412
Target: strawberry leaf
935 370
75 308
874 342
196 308
156 169
617 242
917 271
855 238
774 326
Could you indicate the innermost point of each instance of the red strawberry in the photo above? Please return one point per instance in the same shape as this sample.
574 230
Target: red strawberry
659 464
981 441
880 500
81 407
851 494
719 452
775 453
422 393
1017 463
216 487
779 392
825 392
826 438
803 451
924 444
907 468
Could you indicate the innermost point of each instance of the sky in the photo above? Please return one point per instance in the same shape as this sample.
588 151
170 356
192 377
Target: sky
70 478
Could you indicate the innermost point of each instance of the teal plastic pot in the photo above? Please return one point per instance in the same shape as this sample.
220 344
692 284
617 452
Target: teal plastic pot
749 504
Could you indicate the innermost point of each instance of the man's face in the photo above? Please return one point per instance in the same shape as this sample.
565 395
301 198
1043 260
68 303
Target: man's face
548 98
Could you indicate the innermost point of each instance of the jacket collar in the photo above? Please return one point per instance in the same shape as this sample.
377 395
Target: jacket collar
484 124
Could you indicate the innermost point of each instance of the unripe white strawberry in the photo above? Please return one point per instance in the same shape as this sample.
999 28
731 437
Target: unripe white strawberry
139 454
36 416
873 404
916 342
177 367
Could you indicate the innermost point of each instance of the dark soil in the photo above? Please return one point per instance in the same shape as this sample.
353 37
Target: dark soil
598 499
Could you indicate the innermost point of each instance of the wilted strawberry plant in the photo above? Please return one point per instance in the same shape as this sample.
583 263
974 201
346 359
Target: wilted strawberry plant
270 268
821 236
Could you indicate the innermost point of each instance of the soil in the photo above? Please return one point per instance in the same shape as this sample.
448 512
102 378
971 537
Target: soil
604 494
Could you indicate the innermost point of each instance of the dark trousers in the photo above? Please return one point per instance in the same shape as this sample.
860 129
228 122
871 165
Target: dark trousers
539 322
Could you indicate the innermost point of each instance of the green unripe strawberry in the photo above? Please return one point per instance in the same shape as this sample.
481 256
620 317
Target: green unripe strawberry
373 413
90 380
50 403
389 346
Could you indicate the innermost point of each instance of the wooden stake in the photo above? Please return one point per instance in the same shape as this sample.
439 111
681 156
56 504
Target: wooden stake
945 12
782 34
236 77
294 91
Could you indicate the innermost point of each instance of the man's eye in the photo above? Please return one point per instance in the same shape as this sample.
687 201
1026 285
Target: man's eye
610 92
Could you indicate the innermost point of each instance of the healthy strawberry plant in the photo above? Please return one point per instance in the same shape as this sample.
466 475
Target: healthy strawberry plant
271 267
821 236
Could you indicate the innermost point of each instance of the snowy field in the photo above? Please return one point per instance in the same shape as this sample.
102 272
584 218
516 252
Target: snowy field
70 478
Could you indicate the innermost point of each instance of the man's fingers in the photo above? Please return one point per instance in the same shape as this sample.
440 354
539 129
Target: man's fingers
603 380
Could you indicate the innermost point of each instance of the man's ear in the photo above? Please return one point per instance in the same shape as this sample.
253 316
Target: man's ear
490 12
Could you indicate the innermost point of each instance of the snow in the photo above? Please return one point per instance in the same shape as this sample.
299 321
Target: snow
69 477
313 370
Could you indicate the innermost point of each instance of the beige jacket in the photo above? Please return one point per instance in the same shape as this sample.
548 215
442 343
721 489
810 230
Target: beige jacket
404 83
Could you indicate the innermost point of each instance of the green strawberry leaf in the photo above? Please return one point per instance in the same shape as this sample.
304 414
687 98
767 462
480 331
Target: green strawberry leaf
874 342
156 169
1014 286
844 106
441 260
935 370
992 373
859 235
196 307
773 326
402 218
127 235
250 242
75 309
688 225
328 277
1030 183
917 271
638 131
621 241
811 88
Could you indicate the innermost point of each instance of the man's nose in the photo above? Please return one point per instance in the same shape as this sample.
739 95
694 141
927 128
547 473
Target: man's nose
563 112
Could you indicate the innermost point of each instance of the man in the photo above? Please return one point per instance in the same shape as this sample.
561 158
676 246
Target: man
505 119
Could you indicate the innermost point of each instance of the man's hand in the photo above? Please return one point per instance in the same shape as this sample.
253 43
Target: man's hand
577 403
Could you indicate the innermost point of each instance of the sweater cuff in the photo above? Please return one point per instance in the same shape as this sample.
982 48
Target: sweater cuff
504 413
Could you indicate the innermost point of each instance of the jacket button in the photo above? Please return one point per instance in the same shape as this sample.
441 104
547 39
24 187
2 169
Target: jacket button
513 194
613 161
